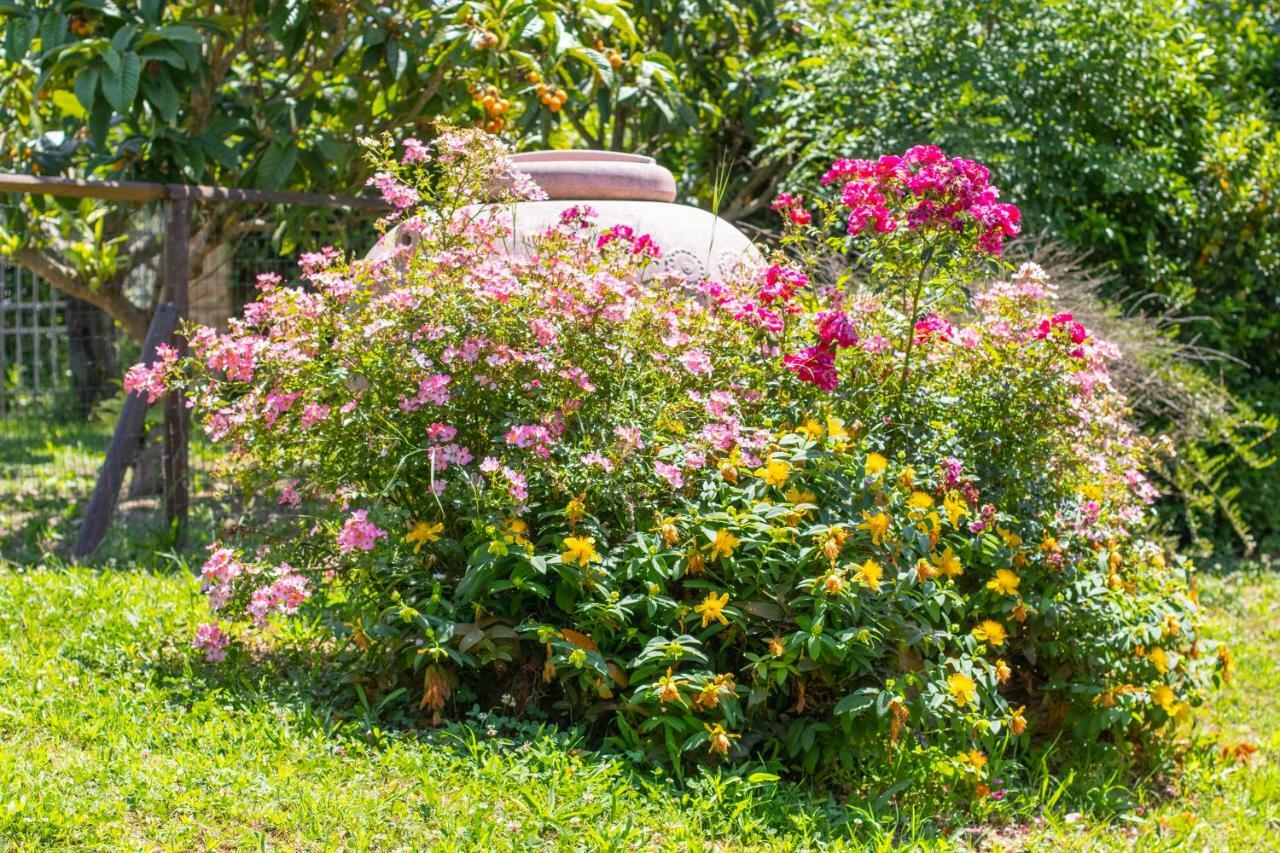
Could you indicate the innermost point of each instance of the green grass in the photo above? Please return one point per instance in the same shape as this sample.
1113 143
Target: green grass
113 735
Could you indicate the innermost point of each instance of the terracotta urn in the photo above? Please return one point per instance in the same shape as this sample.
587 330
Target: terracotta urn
624 189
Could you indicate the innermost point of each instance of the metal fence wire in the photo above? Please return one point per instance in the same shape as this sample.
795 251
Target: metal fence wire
62 363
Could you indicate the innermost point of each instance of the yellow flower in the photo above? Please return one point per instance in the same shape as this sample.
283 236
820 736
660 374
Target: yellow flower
712 607
907 479
1003 672
1004 583
1017 722
833 582
974 758
669 688
580 550
423 532
877 525
516 530
962 687
1160 659
1092 492
709 695
991 631
1011 539
667 527
920 501
869 575
1163 696
812 429
948 563
723 544
718 739
876 464
796 496
575 510
956 506
775 473
836 432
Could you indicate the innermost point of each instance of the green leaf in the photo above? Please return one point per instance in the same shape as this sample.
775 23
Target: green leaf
159 90
856 703
121 86
276 164
86 86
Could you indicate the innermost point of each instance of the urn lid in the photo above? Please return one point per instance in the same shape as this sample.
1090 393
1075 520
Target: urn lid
597 175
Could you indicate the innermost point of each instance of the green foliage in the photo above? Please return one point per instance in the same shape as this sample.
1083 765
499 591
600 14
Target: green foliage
1143 133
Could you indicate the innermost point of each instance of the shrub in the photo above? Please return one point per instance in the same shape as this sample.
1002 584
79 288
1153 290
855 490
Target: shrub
821 523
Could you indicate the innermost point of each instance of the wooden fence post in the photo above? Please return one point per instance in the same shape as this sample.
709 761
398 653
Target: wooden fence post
177 234
124 444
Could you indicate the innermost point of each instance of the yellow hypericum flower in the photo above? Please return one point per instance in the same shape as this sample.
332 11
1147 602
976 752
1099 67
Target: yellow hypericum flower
870 574
1011 539
1171 626
712 608
924 571
696 564
775 473
875 464
962 687
956 507
796 496
723 544
812 429
1163 696
1017 722
907 479
667 527
991 631
423 532
718 739
580 550
947 563
877 525
1092 492
920 501
975 758
709 695
516 531
1004 583
1160 659
836 432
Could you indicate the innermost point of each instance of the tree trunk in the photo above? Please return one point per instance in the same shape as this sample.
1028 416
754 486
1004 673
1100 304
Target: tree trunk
95 364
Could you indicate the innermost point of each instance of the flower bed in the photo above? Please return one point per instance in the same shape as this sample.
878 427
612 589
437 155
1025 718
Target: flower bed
819 522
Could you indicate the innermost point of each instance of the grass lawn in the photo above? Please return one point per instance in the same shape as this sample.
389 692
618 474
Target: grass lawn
112 737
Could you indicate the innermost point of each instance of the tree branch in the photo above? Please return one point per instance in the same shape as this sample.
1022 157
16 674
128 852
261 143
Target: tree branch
64 279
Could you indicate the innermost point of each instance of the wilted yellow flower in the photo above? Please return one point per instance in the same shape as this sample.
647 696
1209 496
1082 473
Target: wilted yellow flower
423 532
1004 583
1017 722
870 574
669 688
833 582
877 525
962 687
907 479
775 473
925 571
1159 659
875 464
956 507
718 739
728 472
990 631
1003 672
776 647
723 544
709 695
920 501
1171 626
668 529
712 608
696 564
580 550
947 563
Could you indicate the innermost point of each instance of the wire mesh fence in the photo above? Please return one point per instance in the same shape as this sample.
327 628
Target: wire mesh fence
62 363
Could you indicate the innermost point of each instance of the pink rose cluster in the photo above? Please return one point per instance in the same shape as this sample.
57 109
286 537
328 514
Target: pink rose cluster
925 191
149 379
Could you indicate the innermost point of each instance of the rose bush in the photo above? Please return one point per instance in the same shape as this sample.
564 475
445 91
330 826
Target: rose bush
824 523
